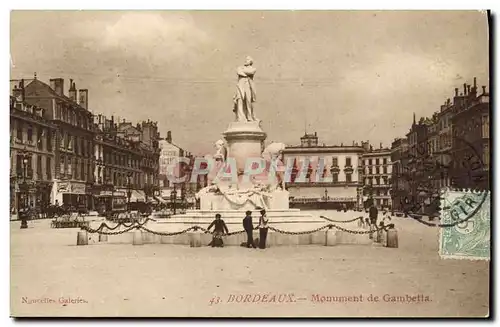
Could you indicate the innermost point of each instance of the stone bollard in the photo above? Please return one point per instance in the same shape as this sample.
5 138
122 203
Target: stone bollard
195 239
103 237
137 240
82 238
392 238
384 237
331 237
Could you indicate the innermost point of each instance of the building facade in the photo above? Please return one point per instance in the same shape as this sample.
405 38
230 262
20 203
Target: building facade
400 185
449 149
32 153
74 141
74 156
124 162
169 156
340 163
377 171
471 140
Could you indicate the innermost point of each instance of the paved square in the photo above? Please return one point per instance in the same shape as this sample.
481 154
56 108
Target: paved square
51 276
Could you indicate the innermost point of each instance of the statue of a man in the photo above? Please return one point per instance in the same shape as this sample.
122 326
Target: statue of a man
245 92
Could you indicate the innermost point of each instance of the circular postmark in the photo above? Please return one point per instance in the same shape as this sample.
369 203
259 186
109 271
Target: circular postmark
427 197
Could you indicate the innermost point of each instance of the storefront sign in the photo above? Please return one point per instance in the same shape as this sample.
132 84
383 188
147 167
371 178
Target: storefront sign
78 188
342 199
63 188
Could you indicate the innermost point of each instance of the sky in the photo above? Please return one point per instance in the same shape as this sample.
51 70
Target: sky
349 76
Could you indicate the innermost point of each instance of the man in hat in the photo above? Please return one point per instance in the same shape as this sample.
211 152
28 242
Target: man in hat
248 226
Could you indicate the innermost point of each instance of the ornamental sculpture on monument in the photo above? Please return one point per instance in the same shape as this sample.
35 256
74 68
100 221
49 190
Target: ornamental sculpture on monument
245 92
241 177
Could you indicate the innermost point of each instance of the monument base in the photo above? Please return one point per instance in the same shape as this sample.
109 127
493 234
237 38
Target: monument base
244 140
292 220
214 201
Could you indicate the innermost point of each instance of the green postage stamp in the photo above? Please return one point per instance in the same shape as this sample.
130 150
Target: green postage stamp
466 234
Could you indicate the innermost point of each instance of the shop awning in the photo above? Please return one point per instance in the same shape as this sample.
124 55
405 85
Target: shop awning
137 196
160 199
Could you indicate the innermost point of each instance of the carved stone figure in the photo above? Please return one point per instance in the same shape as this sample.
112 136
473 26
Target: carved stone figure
245 92
274 153
221 151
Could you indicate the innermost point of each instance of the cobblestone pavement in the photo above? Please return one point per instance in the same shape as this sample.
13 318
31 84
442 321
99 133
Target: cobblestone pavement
48 270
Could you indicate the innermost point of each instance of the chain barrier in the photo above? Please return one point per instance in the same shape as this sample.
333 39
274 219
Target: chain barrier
298 233
342 221
140 226
167 234
100 231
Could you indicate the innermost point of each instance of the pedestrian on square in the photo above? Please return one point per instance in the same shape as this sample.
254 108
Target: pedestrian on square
373 212
263 228
219 229
248 226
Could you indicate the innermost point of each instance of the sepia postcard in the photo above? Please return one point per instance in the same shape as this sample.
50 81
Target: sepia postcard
250 163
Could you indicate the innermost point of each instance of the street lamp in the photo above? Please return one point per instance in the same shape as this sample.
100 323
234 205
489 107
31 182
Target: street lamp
129 189
173 198
22 207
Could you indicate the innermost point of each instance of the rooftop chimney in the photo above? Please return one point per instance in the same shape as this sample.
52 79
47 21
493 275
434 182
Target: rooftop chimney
456 91
315 134
57 84
465 89
484 89
468 89
381 145
475 82
169 137
84 98
72 90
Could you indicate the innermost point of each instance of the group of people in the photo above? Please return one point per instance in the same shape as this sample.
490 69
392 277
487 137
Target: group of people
220 229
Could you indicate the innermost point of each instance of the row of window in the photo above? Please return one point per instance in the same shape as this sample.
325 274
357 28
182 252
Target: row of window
119 178
377 162
72 117
115 158
26 169
76 169
335 162
40 132
377 192
335 178
376 180
79 145
377 170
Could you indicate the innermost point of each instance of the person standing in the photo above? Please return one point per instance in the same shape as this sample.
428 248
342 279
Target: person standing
219 229
263 228
373 213
248 226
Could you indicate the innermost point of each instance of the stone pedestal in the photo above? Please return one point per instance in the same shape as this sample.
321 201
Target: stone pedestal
82 238
244 140
137 237
392 238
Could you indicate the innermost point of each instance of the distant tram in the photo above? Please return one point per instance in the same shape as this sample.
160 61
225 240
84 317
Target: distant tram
110 204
